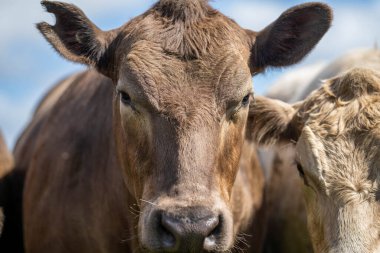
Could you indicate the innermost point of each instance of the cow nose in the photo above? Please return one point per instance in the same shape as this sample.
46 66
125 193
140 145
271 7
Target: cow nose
190 232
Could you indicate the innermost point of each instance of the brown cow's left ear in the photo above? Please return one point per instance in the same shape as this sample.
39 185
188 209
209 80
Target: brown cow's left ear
288 39
76 38
271 121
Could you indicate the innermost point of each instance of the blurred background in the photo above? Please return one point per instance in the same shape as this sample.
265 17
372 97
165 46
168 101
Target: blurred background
29 66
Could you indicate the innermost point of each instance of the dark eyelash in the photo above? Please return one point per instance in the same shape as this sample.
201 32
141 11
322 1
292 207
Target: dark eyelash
300 170
125 98
301 173
245 100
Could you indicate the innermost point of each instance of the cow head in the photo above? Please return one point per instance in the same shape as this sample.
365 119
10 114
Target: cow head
337 136
182 74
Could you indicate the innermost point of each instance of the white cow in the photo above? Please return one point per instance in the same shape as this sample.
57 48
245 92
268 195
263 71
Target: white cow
335 133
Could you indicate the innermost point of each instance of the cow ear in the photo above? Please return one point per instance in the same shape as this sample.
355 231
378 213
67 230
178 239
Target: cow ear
76 38
288 39
271 121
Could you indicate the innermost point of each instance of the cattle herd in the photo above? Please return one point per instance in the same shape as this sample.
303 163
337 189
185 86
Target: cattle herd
162 146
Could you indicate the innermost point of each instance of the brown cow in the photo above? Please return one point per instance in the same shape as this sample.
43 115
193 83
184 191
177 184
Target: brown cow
6 163
151 157
11 185
6 159
336 135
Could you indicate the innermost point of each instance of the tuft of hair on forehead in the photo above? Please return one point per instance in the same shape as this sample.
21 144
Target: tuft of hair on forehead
190 29
349 102
183 10
353 84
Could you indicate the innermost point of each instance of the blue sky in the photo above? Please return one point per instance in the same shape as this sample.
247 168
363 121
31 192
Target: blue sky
29 66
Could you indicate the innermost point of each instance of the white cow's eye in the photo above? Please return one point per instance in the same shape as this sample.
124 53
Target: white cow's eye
301 172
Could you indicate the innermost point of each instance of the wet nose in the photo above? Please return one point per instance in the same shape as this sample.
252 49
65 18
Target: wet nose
197 232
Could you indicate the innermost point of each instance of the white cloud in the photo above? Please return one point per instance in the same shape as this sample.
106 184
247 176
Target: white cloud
253 15
10 114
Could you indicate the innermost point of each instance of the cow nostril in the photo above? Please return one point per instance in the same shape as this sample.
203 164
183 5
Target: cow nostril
210 242
167 234
212 226
167 239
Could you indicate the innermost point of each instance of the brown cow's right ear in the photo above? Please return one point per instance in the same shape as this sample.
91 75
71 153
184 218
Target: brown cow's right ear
292 36
271 121
76 38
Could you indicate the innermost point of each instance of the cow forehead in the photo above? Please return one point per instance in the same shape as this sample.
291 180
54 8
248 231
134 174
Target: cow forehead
344 118
149 69
187 40
346 165
149 59
207 41
185 68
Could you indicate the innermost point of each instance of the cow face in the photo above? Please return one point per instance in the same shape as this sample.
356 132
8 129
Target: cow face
182 74
336 131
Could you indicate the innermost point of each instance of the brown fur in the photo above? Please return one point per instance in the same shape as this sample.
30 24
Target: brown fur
172 147
286 216
84 83
6 159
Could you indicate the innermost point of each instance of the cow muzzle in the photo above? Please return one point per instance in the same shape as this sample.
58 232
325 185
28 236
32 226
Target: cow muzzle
187 229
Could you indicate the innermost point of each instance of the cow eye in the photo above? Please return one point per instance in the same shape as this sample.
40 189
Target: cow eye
235 106
125 98
245 100
300 170
302 173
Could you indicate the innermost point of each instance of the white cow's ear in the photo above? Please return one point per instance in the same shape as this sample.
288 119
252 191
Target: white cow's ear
271 121
76 38
292 36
